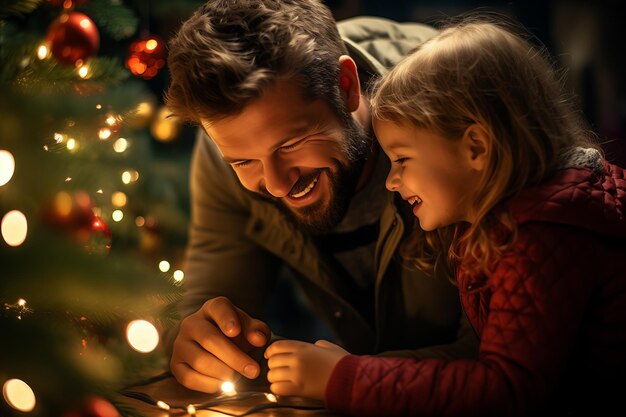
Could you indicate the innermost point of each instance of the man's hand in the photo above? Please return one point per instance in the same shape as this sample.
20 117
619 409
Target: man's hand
302 369
212 344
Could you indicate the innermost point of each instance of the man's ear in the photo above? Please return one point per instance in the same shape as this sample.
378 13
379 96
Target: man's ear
477 146
349 82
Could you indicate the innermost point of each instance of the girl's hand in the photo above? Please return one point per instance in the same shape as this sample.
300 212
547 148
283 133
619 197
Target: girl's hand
301 369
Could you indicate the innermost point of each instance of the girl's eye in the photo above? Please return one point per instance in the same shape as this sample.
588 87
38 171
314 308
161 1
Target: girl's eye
400 160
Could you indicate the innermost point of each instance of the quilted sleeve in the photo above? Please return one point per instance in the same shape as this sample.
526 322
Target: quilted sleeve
538 294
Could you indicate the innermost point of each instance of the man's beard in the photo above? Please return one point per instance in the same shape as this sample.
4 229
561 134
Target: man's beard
320 217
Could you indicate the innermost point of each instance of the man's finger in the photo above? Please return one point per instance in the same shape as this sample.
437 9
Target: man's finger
229 353
204 362
257 332
195 380
222 312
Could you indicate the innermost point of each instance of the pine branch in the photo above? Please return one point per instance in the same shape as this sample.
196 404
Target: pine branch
17 8
49 77
115 18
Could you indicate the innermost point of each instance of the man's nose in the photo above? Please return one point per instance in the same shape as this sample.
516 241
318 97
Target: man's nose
279 177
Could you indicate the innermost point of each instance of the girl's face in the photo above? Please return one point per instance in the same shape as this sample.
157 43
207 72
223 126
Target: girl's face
436 175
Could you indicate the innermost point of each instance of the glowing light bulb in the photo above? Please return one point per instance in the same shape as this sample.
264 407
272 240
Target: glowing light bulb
104 133
14 228
120 145
111 120
228 388
83 71
164 266
142 336
72 144
118 199
117 215
7 167
178 275
19 395
42 52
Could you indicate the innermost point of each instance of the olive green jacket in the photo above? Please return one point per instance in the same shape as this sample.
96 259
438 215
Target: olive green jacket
237 243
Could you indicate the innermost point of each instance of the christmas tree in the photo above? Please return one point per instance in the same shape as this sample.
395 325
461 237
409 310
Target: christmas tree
84 208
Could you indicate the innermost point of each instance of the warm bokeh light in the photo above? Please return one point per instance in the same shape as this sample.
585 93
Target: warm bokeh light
21 302
104 133
120 145
117 215
7 167
271 397
19 395
14 228
165 127
142 336
140 221
164 266
228 388
58 137
178 275
118 199
42 52
130 176
151 44
83 71
72 144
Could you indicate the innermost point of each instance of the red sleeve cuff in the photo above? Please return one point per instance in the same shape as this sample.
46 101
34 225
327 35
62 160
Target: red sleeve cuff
339 387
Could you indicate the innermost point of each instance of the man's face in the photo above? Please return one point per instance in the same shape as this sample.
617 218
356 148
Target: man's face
295 153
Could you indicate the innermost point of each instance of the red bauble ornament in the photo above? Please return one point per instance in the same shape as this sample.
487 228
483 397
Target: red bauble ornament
146 57
99 240
73 215
72 37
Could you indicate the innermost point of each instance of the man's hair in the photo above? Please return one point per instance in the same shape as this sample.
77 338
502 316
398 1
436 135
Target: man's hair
230 51
488 72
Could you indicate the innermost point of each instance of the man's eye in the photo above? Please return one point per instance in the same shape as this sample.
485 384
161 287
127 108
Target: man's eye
240 164
292 146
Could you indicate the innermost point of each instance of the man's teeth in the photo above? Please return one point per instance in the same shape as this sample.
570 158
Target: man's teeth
306 190
414 200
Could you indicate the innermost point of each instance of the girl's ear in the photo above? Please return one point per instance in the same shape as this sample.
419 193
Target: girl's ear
349 82
477 144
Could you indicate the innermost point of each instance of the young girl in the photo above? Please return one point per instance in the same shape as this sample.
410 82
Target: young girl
494 159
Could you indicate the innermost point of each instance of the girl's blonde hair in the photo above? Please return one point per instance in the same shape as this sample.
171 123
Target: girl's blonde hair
483 72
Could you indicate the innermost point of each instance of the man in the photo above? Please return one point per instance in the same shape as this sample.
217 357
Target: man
290 174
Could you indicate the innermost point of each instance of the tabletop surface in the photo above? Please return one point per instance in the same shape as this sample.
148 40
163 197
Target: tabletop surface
251 400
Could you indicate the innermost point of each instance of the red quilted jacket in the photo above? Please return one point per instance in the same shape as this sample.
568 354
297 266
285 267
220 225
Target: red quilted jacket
551 319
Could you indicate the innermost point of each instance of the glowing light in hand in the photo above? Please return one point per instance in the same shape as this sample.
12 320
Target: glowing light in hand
142 336
19 395
14 228
7 167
